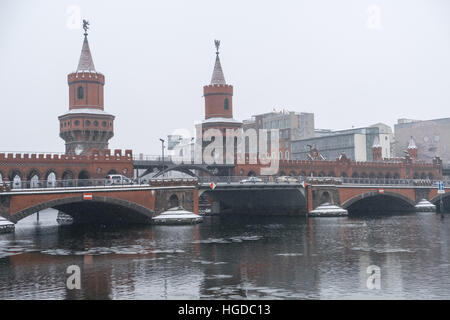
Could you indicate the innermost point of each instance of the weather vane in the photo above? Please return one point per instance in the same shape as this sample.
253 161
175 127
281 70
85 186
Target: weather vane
85 26
217 43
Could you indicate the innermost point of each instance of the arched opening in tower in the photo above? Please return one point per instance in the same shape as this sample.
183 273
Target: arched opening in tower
83 178
173 201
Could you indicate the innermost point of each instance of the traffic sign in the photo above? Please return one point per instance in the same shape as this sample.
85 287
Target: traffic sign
87 196
441 187
212 185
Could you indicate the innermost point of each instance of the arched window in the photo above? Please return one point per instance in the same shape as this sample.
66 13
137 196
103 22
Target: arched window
80 92
226 104
51 180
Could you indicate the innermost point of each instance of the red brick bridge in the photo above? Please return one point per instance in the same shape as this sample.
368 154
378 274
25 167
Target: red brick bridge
232 194
105 204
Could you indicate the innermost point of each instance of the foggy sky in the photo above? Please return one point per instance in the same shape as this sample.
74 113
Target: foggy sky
333 58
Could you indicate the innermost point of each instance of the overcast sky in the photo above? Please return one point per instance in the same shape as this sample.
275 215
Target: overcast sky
351 62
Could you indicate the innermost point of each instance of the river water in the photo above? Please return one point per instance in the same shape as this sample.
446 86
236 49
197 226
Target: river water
231 258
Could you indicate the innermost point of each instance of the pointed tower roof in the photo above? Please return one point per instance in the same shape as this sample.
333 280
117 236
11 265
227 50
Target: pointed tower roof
376 142
86 63
412 144
217 76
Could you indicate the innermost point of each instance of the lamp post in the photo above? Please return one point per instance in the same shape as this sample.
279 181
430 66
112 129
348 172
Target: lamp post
310 160
162 148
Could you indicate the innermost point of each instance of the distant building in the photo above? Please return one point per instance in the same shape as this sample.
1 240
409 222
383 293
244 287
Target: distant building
291 125
355 143
432 138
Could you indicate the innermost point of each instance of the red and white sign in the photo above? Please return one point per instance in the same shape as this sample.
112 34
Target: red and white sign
87 196
212 185
304 184
381 191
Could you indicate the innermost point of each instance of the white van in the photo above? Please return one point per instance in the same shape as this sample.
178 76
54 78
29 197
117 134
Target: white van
117 179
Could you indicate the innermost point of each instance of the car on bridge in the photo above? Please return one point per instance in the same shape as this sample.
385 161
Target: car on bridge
286 179
117 179
251 180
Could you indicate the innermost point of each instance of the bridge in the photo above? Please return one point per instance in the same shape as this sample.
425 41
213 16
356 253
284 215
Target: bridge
292 196
94 201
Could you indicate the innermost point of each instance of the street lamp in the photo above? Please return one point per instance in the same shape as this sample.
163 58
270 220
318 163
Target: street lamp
310 160
162 148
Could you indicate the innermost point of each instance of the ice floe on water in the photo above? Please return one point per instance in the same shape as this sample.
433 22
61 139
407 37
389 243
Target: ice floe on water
293 254
219 276
131 250
208 262
236 239
13 247
383 250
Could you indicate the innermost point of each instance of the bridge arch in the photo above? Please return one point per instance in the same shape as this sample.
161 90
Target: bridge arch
375 202
67 175
112 171
445 199
33 178
251 173
174 201
83 174
99 209
16 177
50 179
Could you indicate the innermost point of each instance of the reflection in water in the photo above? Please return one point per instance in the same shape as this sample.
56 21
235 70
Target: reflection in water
232 258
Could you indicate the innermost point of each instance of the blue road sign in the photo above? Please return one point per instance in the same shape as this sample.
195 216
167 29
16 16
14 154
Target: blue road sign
441 187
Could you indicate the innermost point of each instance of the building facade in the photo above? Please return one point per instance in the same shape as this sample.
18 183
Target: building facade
432 138
356 144
291 125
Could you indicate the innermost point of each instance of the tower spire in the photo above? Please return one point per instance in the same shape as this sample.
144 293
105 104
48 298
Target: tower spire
217 76
85 63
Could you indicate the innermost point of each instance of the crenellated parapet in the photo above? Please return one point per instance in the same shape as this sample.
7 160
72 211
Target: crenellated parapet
105 155
400 168
95 165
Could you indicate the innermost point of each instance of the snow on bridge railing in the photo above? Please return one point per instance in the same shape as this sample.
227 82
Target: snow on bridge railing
159 158
70 183
320 180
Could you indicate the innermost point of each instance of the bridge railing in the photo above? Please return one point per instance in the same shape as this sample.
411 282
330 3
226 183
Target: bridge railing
321 180
159 158
250 180
71 183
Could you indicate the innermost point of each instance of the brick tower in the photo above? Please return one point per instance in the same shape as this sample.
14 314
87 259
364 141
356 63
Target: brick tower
86 127
376 150
412 149
218 102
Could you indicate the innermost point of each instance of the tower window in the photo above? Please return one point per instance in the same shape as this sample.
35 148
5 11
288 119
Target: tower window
80 92
226 104
96 123
77 122
104 123
88 123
